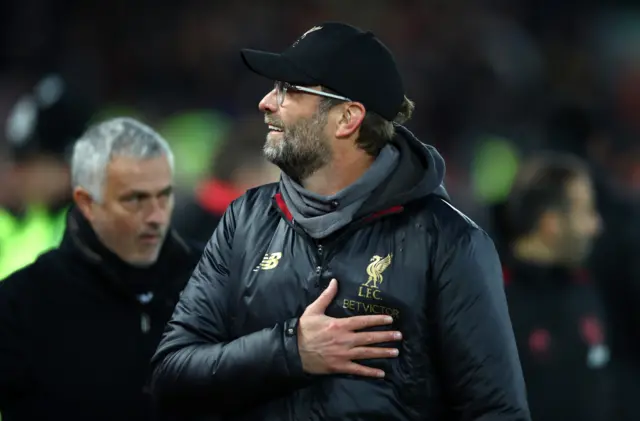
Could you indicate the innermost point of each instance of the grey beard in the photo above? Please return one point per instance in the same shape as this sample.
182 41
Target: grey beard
296 164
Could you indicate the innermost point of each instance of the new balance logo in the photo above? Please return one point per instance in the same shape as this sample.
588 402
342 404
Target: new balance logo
269 261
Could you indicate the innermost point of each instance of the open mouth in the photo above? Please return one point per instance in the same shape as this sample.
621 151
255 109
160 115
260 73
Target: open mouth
274 128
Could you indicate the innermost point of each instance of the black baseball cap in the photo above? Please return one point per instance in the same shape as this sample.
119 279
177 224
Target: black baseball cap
340 57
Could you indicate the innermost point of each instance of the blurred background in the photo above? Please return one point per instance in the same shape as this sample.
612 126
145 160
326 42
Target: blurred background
493 82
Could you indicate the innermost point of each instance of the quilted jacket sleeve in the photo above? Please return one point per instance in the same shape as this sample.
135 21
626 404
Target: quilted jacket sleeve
478 354
198 366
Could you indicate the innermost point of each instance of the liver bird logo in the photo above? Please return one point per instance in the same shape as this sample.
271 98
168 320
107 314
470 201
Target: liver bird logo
375 268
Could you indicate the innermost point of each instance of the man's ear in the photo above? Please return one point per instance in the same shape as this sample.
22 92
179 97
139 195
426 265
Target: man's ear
350 120
84 202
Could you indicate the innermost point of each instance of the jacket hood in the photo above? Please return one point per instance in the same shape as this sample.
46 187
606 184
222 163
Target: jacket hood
420 173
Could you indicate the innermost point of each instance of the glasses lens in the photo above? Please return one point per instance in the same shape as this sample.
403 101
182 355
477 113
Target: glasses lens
280 92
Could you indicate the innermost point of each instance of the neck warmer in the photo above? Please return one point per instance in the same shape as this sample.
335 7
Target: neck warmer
321 216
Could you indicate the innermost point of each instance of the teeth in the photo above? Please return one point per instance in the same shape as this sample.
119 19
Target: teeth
274 128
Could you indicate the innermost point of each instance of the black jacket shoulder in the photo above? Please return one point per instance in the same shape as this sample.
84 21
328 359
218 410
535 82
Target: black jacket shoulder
258 199
447 220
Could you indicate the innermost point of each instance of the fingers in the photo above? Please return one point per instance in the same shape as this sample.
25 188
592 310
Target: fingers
364 322
319 306
369 338
360 370
369 352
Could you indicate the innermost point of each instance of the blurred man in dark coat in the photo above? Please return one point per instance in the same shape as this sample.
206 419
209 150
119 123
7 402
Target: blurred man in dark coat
556 311
79 326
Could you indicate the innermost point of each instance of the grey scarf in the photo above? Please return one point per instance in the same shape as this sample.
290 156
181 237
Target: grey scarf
321 216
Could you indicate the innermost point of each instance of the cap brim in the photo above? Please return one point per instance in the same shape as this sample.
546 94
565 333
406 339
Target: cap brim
275 67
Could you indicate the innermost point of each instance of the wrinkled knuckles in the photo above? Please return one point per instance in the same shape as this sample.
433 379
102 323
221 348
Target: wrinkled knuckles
334 326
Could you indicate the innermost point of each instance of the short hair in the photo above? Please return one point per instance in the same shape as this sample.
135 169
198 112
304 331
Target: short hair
540 186
375 130
96 148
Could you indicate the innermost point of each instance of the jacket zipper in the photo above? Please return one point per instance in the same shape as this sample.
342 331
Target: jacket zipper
321 263
145 323
319 249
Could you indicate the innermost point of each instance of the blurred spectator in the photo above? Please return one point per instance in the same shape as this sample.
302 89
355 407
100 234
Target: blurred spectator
40 129
238 165
616 266
612 153
555 310
79 325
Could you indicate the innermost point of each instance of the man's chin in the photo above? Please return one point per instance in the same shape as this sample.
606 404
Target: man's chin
146 257
272 152
143 261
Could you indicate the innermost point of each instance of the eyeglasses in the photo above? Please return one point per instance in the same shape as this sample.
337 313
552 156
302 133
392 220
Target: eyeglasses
281 89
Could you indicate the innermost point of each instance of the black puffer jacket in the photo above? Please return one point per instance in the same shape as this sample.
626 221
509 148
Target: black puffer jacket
231 347
79 326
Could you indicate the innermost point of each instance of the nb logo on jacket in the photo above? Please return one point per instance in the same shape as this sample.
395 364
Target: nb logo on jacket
269 261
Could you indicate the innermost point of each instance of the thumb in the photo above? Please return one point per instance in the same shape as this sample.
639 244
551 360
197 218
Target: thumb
319 306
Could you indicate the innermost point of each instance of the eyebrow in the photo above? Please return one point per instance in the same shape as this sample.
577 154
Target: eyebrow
145 194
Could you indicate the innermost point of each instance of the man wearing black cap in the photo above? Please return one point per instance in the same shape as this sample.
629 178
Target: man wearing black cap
351 289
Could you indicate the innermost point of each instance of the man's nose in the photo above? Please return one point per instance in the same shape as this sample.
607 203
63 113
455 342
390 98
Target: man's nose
269 103
157 215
